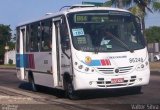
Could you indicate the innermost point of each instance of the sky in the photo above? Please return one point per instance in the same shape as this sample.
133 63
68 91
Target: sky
14 12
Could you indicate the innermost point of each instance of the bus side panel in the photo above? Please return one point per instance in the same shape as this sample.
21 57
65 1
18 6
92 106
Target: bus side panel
40 63
43 79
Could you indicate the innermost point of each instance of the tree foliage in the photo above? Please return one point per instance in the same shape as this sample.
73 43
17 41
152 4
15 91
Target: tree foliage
5 37
138 7
153 34
5 33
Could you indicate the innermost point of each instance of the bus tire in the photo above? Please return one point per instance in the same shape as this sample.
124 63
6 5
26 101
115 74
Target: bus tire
69 89
31 81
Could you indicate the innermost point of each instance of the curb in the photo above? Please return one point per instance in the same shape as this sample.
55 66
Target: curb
8 68
155 70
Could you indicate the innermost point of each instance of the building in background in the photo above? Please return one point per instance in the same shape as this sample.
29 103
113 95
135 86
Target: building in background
9 57
153 50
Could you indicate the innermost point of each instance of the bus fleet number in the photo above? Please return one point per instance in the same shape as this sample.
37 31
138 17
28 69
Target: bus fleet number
134 60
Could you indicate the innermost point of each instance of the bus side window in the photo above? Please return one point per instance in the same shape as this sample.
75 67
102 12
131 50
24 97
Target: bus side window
46 35
34 37
18 40
28 38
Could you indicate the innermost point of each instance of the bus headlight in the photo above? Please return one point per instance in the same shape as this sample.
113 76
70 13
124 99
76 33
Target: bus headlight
76 63
140 67
86 69
80 66
147 63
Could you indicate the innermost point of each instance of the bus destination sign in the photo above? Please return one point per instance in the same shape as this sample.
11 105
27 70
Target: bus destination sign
90 18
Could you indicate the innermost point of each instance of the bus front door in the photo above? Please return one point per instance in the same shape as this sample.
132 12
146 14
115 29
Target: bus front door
56 60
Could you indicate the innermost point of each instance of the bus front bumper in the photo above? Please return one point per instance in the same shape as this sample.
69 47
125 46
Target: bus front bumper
83 81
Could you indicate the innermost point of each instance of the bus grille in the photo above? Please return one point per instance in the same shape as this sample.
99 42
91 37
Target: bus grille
112 70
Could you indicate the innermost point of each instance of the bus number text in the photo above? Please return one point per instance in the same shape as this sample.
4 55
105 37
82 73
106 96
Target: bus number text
135 60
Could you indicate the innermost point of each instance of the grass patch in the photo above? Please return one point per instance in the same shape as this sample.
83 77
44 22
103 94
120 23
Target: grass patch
8 65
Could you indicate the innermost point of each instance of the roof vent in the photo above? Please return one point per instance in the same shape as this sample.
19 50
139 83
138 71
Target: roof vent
77 6
81 6
48 14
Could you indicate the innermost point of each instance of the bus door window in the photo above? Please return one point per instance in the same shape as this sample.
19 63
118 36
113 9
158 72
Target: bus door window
65 44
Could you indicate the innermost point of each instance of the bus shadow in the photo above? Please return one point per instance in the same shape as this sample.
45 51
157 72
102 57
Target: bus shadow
93 94
42 89
82 95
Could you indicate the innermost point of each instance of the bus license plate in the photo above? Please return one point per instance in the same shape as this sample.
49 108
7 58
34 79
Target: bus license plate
117 80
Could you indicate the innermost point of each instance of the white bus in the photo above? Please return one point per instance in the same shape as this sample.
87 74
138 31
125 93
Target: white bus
83 48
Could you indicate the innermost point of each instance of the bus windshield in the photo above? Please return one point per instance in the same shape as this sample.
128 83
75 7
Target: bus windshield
105 31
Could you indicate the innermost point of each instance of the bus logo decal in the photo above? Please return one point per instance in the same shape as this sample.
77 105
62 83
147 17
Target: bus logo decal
103 62
88 60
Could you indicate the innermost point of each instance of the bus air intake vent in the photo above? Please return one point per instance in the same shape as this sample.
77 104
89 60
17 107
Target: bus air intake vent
106 70
112 70
125 69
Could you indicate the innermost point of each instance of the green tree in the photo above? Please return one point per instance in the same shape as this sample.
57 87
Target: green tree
5 36
137 7
118 3
153 34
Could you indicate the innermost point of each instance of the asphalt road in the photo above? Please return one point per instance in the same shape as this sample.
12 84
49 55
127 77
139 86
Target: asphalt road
148 99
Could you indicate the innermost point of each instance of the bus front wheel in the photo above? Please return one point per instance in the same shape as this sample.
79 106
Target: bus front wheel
69 90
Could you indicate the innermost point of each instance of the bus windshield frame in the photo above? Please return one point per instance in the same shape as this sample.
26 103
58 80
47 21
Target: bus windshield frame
96 31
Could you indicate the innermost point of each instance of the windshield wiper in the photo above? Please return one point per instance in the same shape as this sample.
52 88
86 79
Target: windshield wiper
124 44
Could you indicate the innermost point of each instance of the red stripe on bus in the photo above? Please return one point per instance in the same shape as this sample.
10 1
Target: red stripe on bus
108 62
103 62
31 61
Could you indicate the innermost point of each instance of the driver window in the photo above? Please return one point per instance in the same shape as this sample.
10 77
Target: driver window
132 33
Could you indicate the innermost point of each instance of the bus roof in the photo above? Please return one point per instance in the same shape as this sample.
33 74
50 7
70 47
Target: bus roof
70 10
